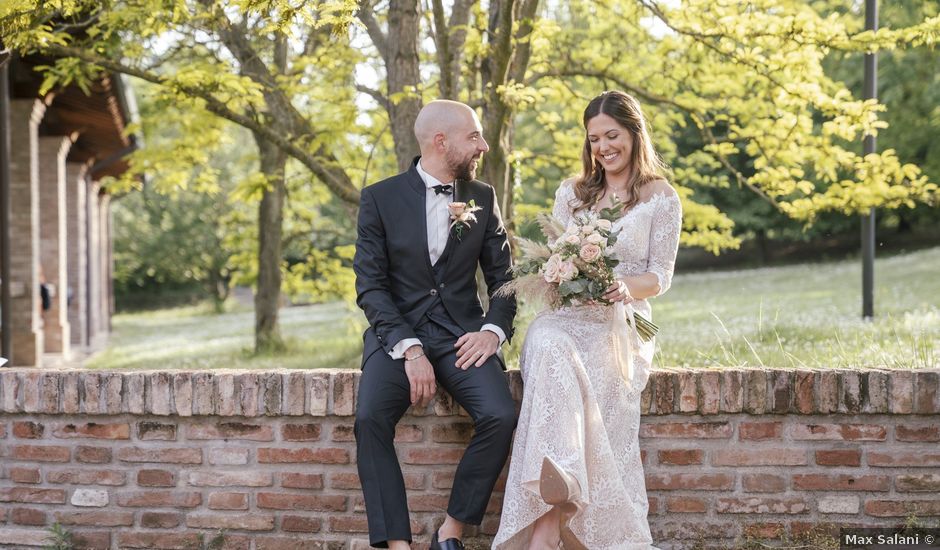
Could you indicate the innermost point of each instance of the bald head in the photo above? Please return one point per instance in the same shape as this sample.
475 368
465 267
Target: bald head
441 117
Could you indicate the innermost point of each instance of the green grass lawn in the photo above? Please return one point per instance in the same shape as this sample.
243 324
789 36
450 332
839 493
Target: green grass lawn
798 316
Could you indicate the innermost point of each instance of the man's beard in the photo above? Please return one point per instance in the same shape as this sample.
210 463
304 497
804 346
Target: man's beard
463 170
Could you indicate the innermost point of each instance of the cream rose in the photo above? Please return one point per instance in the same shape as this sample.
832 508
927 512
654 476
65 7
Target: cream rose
573 239
551 268
587 229
567 271
457 209
595 238
590 252
604 224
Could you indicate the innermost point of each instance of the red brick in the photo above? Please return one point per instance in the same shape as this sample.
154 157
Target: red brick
49 453
31 495
349 524
343 433
228 501
231 479
161 541
169 456
92 455
25 475
654 507
918 483
28 430
760 430
898 508
710 391
316 503
300 524
246 522
844 482
176 499
452 432
917 433
93 430
688 394
845 432
428 503
763 483
160 520
314 456
765 530
428 455
156 478
96 519
686 505
899 459
87 477
300 432
301 481
28 516
839 457
301 543
682 482
664 392
761 505
408 433
156 431
681 457
91 540
761 457
803 392
230 430
695 430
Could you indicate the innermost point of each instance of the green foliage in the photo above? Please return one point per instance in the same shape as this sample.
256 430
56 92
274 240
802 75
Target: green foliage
59 538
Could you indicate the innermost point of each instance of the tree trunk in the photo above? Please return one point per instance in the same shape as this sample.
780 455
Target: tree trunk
270 216
403 72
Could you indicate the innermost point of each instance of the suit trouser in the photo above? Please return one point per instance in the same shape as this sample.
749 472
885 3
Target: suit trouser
384 397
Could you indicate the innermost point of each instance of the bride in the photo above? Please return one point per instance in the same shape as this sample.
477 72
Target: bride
575 475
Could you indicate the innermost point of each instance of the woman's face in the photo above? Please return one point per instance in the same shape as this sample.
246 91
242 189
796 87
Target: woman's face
611 144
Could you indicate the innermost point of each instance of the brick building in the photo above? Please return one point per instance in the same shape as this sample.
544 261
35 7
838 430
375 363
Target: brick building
61 146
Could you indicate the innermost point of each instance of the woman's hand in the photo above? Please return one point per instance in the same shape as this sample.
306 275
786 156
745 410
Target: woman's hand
618 292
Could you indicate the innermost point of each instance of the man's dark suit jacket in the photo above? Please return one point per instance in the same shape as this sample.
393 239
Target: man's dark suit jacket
395 283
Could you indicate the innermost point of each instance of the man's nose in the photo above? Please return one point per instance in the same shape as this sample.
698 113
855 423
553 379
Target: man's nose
483 145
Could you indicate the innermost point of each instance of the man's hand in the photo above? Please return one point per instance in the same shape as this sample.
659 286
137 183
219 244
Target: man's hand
420 375
474 348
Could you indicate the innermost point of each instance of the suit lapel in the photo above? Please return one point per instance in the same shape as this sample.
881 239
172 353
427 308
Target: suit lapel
460 190
418 203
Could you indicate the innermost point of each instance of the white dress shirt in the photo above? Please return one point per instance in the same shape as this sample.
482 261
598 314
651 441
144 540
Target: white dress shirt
435 206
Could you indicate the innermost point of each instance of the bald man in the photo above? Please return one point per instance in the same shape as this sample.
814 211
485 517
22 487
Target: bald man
415 278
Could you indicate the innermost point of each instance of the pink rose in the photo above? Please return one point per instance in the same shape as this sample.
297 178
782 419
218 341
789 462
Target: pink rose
596 238
590 252
567 270
572 239
456 209
551 268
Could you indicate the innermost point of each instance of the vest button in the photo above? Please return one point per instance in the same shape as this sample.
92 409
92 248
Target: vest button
441 285
433 292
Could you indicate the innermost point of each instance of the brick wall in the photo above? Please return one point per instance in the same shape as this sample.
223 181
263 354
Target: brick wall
166 460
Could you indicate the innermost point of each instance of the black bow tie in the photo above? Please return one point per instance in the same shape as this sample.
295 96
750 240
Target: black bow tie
446 189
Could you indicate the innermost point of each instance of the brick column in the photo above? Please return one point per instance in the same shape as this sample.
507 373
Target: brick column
27 335
77 215
52 229
94 264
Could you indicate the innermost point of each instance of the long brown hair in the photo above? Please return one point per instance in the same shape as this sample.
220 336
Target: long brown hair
645 164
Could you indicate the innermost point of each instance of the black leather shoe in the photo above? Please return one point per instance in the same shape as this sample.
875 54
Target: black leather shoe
449 544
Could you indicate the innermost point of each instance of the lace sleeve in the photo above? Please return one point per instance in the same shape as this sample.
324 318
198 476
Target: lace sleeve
564 197
664 240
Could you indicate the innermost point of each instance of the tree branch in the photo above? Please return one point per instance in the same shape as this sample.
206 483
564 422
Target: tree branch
372 27
324 169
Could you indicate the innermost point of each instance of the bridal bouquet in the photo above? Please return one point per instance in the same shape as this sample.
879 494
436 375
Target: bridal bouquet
575 265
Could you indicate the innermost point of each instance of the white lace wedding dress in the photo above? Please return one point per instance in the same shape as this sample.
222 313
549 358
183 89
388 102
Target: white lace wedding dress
578 409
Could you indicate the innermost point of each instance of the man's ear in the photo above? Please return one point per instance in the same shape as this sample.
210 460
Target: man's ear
440 142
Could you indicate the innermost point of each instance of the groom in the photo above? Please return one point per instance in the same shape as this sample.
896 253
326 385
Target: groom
416 259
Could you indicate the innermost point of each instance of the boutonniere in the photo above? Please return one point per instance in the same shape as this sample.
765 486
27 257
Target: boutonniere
461 214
